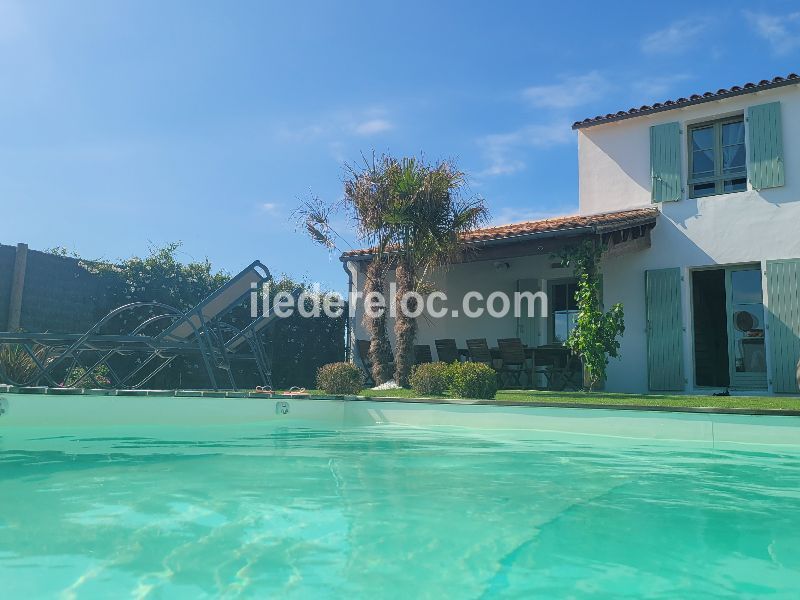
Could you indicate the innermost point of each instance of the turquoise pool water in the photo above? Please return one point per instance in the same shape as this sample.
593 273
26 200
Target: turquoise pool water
389 511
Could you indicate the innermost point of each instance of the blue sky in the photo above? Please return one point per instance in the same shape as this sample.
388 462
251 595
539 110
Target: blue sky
125 124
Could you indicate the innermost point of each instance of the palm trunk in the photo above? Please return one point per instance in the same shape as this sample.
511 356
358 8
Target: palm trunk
380 352
405 327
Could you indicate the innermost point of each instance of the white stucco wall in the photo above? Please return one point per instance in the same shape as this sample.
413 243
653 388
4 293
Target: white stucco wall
614 158
481 276
744 227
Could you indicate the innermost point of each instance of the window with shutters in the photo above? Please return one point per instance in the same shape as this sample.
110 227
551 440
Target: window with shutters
717 158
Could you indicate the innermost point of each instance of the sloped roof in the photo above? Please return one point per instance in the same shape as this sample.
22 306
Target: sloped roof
737 90
599 223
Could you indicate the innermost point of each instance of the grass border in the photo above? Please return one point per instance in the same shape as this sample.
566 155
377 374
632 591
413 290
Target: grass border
749 405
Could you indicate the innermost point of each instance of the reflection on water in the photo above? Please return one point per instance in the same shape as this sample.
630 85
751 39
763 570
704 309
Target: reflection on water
392 512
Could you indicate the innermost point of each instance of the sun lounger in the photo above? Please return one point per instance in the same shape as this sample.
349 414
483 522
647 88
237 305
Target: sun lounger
163 333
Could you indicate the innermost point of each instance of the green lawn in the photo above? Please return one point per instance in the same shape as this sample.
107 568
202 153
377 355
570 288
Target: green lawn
677 401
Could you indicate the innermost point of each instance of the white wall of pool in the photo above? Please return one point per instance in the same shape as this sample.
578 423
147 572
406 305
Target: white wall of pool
708 429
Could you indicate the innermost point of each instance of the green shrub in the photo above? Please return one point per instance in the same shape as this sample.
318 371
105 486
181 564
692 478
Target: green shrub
18 367
431 379
78 376
340 378
473 380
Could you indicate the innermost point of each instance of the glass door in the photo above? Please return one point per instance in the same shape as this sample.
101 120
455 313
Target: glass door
746 349
527 326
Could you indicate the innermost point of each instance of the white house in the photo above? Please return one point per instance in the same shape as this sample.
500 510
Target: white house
699 201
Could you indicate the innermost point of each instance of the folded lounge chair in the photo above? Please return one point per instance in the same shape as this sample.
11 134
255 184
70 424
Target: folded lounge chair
193 333
199 325
219 302
249 336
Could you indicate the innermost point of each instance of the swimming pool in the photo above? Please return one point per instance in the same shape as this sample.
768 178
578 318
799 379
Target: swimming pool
326 498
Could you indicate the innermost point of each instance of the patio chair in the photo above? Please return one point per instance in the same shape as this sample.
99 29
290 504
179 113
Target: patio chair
515 364
561 368
479 351
422 354
447 351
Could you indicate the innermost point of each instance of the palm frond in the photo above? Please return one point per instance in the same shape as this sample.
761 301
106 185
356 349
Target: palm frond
315 216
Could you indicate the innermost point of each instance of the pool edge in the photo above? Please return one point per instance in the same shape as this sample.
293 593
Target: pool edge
8 389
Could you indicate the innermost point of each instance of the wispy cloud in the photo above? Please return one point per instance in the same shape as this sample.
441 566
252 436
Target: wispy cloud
336 125
676 38
781 31
373 126
501 164
503 150
569 92
271 208
300 133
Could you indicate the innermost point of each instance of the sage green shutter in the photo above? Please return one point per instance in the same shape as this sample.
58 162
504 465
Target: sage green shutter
664 330
783 298
765 146
665 162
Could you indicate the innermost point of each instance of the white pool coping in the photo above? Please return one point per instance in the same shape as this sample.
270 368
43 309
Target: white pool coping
87 410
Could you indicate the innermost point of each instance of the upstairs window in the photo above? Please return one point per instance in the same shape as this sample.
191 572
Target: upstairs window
717 158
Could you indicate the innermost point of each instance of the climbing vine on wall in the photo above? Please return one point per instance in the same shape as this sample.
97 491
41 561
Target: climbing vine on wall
596 335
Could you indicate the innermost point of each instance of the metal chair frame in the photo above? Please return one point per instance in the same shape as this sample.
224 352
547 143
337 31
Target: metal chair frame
215 341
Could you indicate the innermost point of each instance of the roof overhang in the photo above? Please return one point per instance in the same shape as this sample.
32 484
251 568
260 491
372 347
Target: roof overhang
658 107
606 229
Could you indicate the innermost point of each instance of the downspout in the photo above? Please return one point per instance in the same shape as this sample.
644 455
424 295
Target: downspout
348 349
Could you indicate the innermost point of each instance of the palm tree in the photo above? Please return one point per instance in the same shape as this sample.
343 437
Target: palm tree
366 199
380 351
426 219
413 217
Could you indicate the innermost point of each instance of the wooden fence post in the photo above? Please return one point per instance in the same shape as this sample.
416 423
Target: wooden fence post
17 286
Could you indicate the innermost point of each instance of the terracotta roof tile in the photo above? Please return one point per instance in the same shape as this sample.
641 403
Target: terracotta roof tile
791 78
598 223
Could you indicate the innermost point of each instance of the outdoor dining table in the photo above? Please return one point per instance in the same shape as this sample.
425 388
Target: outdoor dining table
464 353
555 361
550 350
529 352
